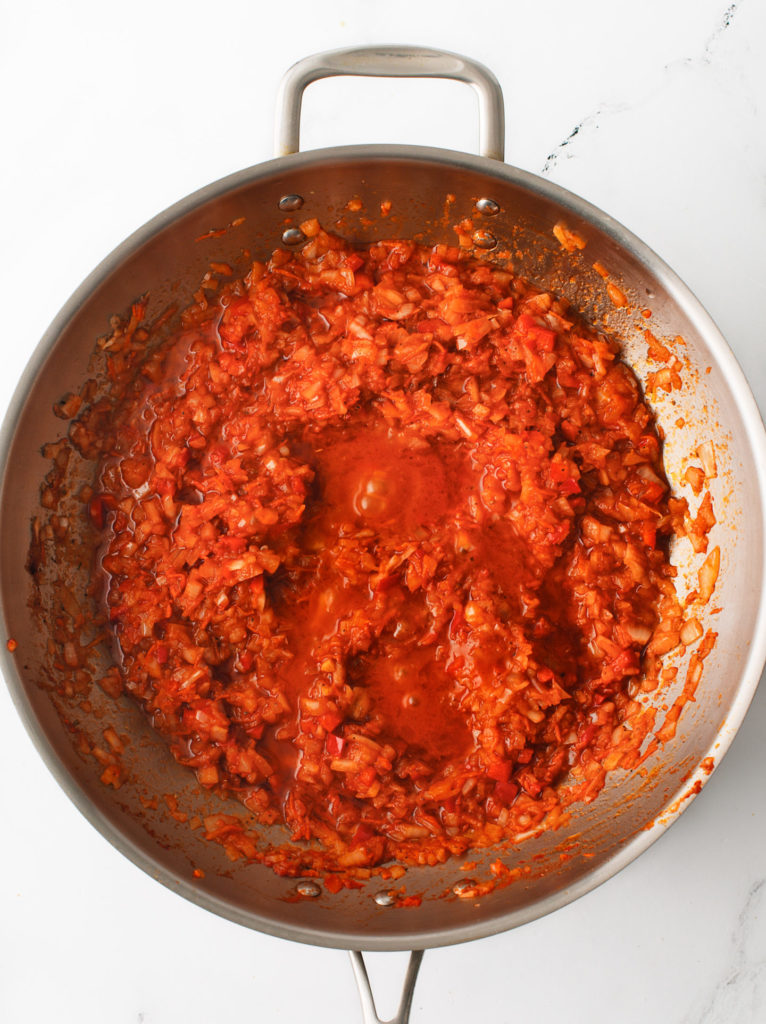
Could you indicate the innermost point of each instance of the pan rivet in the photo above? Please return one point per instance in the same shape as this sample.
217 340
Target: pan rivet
309 889
484 239
466 887
384 899
293 236
488 207
291 202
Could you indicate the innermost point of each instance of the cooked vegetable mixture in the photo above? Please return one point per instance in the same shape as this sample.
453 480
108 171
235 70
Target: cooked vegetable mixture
385 548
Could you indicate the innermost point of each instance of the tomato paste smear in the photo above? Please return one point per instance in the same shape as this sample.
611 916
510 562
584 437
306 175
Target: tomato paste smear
384 541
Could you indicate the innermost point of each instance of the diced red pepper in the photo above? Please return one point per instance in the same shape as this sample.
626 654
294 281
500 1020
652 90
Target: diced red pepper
560 473
506 791
354 261
529 333
245 660
652 491
649 534
545 340
334 744
330 721
500 771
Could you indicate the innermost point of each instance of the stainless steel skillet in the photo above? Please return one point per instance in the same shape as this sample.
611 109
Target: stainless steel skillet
518 211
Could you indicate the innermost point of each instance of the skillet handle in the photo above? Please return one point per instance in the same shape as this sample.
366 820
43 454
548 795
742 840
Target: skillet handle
391 62
369 1013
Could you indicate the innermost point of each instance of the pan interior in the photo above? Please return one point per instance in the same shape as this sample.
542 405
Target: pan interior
429 192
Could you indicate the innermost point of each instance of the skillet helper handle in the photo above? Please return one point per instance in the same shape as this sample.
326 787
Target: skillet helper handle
391 62
369 1013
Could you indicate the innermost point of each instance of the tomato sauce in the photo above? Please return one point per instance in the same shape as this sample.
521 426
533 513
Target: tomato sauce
384 549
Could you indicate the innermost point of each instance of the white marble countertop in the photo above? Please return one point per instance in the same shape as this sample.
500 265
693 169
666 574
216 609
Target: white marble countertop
654 111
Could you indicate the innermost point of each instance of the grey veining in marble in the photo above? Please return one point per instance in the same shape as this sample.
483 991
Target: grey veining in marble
591 122
738 992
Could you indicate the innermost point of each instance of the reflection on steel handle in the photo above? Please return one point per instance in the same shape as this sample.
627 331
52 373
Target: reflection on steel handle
369 1013
392 62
